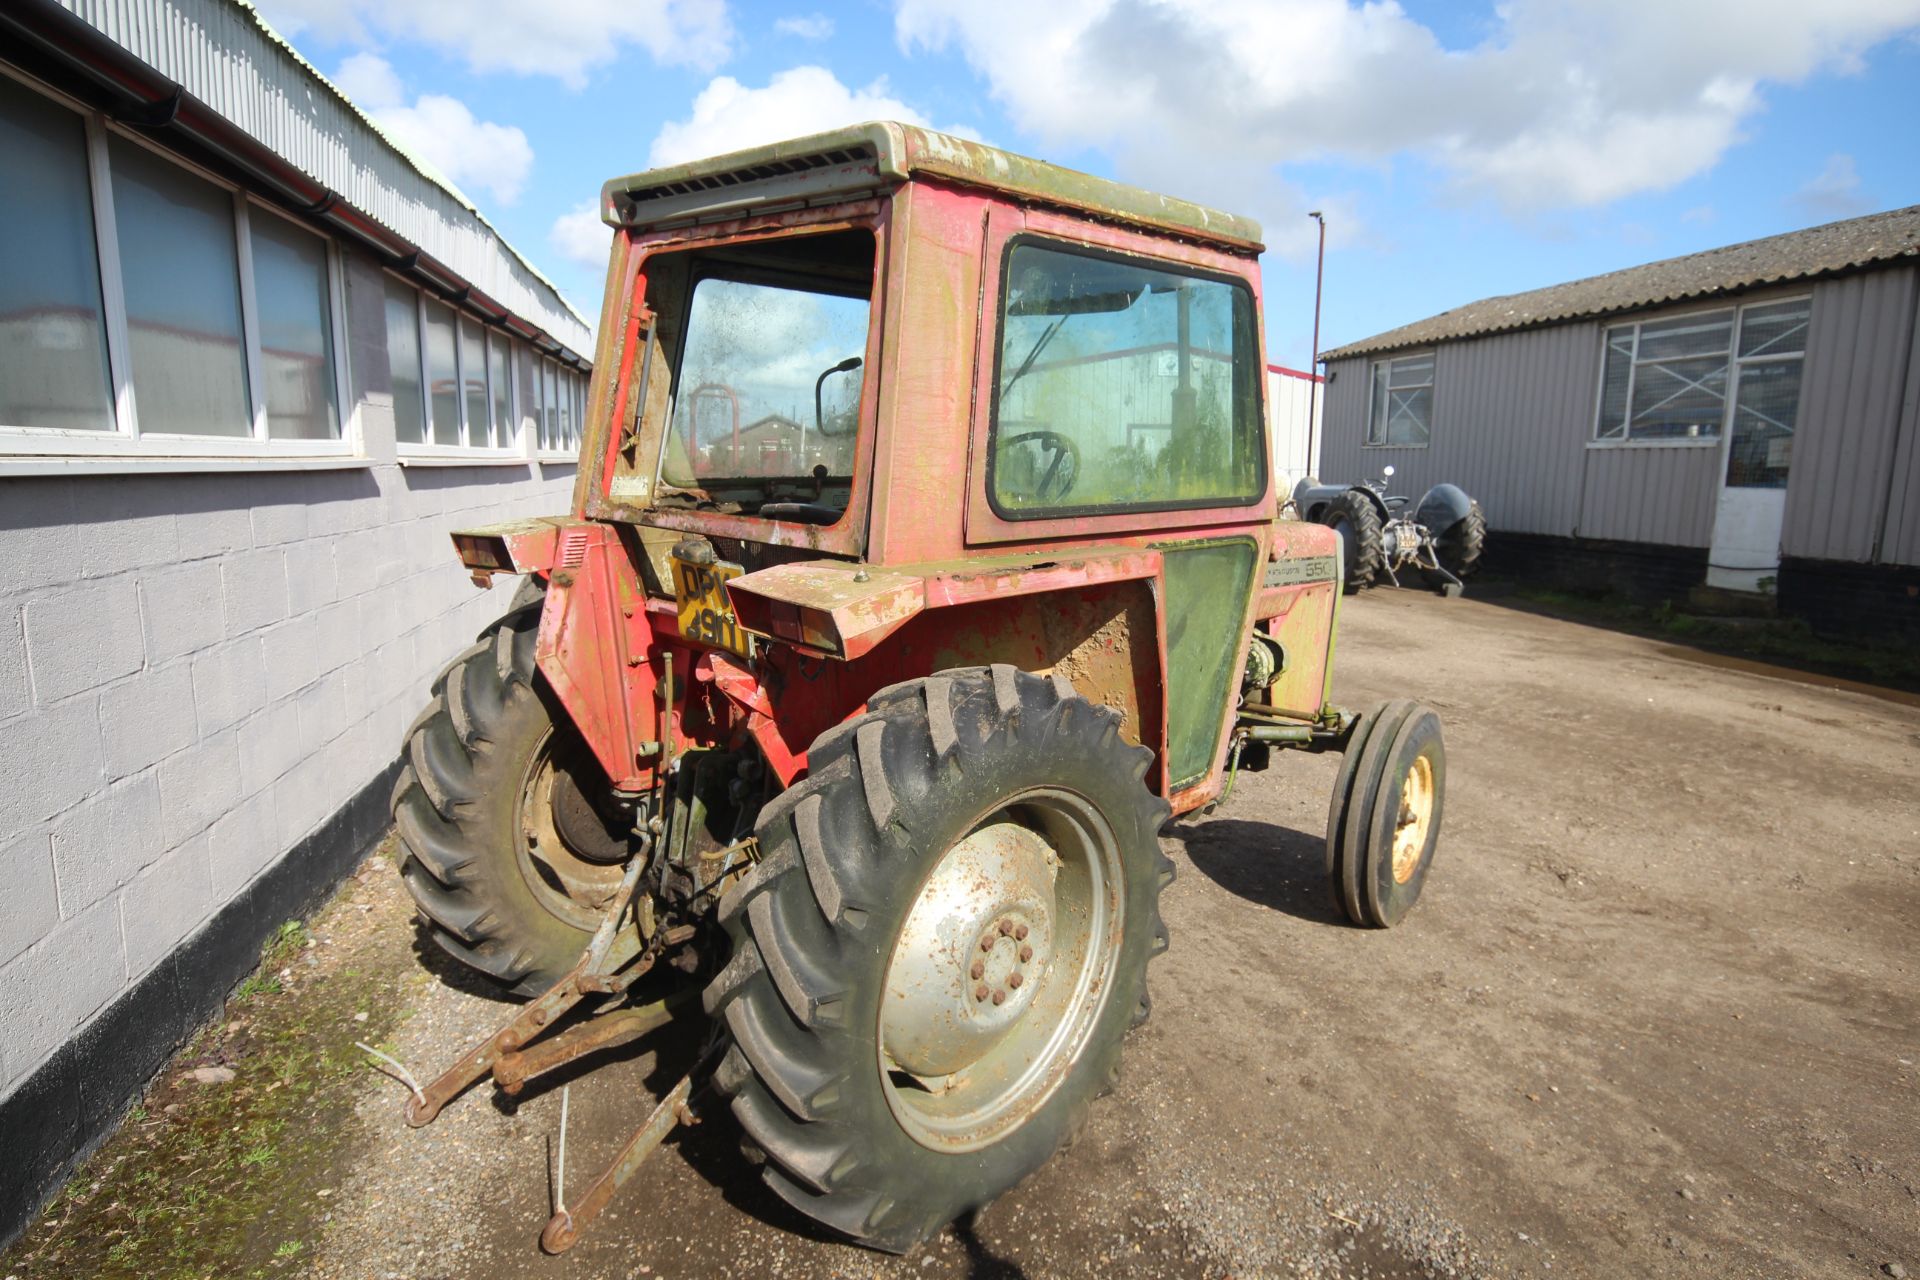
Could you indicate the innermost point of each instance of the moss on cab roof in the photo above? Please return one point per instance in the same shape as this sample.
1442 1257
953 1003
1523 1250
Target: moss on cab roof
884 153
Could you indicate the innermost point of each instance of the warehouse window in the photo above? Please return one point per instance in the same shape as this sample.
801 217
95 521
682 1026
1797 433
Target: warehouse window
403 363
561 397
1766 393
147 309
1400 408
53 327
452 387
1680 379
290 291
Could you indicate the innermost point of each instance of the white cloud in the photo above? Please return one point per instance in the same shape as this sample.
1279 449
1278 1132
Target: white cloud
370 81
727 115
813 26
1834 192
580 237
1566 103
474 154
566 39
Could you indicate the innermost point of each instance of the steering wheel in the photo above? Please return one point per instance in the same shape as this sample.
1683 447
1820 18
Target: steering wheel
1064 468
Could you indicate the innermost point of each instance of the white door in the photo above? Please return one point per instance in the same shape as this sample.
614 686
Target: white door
1746 537
1765 403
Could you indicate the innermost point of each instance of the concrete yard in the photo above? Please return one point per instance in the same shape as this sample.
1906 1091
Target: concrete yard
1657 1015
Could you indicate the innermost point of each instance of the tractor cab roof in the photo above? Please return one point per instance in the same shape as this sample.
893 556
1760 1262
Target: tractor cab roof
879 156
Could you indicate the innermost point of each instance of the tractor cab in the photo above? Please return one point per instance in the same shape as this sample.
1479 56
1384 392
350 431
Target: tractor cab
923 561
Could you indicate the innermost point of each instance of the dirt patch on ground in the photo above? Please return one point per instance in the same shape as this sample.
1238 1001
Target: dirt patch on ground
1656 1016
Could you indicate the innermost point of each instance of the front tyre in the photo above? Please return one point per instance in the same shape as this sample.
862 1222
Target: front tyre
1383 826
944 942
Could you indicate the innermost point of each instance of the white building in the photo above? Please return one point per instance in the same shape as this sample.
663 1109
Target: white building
255 362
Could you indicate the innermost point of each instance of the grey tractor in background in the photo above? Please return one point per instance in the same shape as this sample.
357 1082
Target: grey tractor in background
1442 538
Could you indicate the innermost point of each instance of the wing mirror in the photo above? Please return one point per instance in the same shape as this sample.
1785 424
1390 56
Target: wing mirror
819 421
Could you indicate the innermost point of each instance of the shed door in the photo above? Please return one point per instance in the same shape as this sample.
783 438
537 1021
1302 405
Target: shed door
1765 405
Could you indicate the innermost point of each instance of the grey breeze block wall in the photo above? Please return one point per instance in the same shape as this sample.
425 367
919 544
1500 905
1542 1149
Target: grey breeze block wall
197 672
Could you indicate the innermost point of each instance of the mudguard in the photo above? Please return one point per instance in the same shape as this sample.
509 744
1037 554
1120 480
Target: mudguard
1310 497
1442 507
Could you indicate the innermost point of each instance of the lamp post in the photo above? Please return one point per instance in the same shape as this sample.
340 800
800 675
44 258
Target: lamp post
1313 365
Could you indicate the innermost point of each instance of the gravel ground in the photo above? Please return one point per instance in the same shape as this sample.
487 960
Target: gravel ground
1656 1016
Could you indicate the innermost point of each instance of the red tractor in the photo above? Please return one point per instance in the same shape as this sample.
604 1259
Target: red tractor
871 758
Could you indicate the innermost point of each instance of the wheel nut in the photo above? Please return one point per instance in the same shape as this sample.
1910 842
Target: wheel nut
1026 954
986 943
999 997
1014 980
980 992
979 969
1020 933
1006 927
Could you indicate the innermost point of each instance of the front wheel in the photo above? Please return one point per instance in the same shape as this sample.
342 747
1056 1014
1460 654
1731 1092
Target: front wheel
1384 824
942 946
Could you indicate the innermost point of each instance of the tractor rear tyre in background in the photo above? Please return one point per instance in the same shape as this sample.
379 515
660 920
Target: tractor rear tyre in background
512 842
1460 547
1357 521
938 954
1384 823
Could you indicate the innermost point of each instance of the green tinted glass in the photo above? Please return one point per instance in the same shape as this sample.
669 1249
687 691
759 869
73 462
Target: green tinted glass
1207 587
1122 386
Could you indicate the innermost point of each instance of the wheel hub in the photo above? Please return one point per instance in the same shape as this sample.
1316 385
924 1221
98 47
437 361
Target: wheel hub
973 952
1414 820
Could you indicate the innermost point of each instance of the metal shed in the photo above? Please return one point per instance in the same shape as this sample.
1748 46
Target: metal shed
1746 418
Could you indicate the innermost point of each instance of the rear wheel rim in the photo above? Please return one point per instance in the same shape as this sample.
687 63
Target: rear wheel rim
571 886
1001 971
1415 818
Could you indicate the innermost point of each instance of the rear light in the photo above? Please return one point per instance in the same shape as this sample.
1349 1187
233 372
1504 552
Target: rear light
483 551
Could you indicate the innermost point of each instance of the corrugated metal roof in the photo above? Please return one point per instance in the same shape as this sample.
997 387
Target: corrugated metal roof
1834 249
226 55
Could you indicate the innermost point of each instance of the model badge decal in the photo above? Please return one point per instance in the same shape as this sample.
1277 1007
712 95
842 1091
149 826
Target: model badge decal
1287 573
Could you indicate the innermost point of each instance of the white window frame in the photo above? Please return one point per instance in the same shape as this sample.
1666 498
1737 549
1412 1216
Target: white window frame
43 450
1739 308
510 446
1366 439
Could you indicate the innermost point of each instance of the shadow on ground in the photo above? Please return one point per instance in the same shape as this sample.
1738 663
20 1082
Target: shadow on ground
1267 864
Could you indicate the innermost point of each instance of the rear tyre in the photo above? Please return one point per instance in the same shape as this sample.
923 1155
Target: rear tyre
1384 823
940 950
513 842
1357 521
1460 547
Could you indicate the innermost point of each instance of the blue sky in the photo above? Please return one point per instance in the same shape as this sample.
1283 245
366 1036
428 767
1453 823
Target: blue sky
1458 150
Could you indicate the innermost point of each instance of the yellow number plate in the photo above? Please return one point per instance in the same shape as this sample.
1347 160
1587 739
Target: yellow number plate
706 615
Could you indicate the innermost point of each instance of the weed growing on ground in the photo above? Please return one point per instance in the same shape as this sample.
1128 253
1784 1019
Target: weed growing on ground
217 1178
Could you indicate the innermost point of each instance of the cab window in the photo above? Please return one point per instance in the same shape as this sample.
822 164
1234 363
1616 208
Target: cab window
1122 386
766 396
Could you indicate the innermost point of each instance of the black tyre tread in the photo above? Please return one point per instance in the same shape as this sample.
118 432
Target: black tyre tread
447 808
1460 549
1354 826
1357 509
796 916
1408 731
